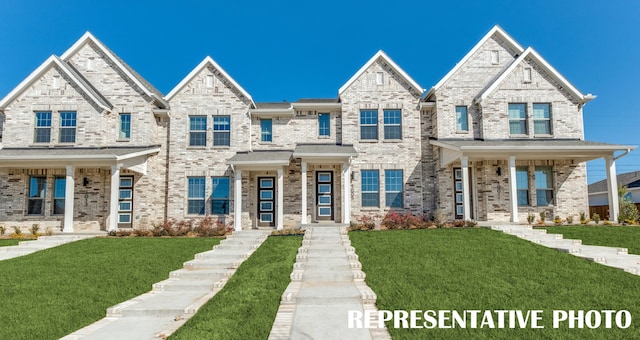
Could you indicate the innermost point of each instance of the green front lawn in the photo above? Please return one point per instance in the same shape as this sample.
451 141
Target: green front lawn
51 293
611 236
9 242
247 306
480 269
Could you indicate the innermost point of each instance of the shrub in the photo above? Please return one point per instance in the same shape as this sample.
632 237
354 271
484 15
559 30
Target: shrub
596 218
543 217
471 224
557 220
3 230
531 218
209 227
48 231
628 210
142 232
34 229
439 218
124 233
569 219
459 224
17 233
583 218
288 232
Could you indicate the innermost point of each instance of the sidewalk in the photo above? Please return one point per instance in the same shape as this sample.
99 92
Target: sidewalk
43 242
326 283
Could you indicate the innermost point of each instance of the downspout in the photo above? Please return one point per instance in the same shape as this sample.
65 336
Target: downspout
622 155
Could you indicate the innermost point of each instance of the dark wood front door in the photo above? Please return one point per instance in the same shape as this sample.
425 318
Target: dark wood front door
266 202
324 196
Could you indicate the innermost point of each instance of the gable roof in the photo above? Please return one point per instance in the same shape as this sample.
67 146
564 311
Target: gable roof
629 180
97 99
496 30
531 53
142 83
203 64
381 55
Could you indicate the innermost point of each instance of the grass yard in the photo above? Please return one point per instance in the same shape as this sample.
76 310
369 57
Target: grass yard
480 269
612 236
51 293
247 306
9 242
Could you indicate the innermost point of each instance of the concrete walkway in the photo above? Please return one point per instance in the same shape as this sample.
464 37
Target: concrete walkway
160 312
43 242
326 283
608 256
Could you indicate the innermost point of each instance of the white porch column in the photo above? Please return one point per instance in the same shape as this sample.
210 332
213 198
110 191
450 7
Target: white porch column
237 200
346 193
612 188
464 160
280 197
513 189
303 171
113 203
68 200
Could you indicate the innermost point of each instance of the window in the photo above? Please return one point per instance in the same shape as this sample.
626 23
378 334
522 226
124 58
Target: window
542 119
220 195
370 186
495 57
544 185
462 123
324 125
196 195
392 124
37 191
393 188
43 127
59 189
369 124
68 127
125 126
265 130
518 119
221 130
198 130
527 75
522 184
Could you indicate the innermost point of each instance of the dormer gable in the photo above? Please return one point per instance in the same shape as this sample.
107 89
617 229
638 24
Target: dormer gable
390 66
215 70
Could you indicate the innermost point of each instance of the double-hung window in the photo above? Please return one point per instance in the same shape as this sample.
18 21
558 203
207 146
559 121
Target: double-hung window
392 124
542 119
368 124
195 193
42 133
59 190
68 127
221 130
522 184
197 130
518 119
266 134
324 125
220 195
37 193
393 188
462 120
125 126
544 185
370 188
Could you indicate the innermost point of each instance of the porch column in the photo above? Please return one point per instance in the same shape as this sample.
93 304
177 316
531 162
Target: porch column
237 200
513 189
346 193
303 171
68 200
612 188
464 160
113 203
280 197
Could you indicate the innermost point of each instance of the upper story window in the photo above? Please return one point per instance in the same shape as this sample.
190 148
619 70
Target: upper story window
221 130
220 195
198 130
125 126
518 119
522 184
324 125
37 193
542 119
59 190
68 127
42 133
266 134
370 188
195 194
368 124
392 124
393 188
544 185
462 120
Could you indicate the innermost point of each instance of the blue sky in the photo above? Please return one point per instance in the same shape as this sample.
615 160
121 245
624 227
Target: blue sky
286 50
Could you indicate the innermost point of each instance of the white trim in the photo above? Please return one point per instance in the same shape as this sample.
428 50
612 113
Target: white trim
69 199
381 55
513 189
207 60
328 106
237 200
268 113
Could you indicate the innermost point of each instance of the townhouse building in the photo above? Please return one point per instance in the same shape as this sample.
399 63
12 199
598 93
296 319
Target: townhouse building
88 144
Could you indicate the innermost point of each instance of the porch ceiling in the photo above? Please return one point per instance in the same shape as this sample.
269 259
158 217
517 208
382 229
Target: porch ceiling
533 149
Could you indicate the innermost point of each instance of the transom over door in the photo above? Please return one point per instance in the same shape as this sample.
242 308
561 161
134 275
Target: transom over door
324 196
266 202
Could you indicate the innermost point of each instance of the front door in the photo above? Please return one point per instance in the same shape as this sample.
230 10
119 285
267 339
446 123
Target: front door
266 201
125 202
324 196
